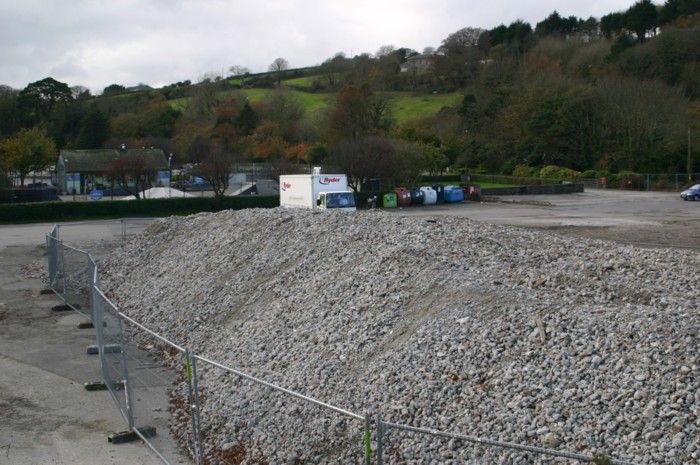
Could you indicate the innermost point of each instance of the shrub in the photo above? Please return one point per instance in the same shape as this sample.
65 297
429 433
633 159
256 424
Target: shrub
595 174
558 172
72 211
524 171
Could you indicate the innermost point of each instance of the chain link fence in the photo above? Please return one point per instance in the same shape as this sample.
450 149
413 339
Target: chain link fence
623 181
71 272
162 390
643 182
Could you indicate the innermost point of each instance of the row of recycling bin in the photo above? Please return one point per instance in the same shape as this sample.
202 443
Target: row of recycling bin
429 195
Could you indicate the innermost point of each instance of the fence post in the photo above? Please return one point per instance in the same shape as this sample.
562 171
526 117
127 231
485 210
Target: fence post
368 440
51 250
95 284
380 438
97 321
63 269
127 385
193 393
90 281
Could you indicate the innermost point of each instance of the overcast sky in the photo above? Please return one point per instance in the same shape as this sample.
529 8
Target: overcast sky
95 43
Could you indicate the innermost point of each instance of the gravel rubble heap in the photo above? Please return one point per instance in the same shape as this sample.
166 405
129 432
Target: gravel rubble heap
490 331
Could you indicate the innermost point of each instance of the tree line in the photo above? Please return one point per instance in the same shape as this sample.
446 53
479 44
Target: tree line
595 96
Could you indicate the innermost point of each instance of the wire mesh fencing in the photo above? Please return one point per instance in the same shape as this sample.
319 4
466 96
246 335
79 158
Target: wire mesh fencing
141 370
456 448
71 272
237 425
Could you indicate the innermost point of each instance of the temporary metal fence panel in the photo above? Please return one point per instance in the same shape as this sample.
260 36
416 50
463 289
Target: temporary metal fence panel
154 369
140 369
55 263
77 279
110 345
305 429
71 273
75 232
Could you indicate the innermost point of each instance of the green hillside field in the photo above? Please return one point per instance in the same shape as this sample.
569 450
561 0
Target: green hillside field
404 106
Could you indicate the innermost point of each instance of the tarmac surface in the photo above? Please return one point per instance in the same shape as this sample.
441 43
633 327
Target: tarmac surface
49 418
643 218
47 415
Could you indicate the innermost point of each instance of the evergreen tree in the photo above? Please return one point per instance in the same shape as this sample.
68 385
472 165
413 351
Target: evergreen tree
246 121
94 131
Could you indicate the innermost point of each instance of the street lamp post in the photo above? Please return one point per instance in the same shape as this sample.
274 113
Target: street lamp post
65 173
254 190
466 154
690 160
170 175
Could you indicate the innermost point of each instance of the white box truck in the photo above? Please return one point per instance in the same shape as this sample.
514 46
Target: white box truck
324 191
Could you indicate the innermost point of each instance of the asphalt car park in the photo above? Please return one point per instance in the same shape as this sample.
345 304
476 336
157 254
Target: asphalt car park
649 218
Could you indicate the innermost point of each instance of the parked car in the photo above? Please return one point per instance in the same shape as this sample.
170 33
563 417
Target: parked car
192 185
692 193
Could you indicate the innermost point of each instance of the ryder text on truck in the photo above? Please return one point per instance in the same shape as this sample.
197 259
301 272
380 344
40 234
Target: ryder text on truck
323 191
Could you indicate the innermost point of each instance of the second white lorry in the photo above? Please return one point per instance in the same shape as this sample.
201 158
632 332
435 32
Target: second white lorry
324 191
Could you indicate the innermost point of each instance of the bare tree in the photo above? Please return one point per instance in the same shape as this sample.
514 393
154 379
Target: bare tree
133 172
278 66
216 169
239 72
211 76
334 68
371 158
278 167
385 50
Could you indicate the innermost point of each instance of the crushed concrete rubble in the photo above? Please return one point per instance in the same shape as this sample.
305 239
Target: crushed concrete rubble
489 331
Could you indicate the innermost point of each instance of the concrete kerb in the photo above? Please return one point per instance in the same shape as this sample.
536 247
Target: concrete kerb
538 203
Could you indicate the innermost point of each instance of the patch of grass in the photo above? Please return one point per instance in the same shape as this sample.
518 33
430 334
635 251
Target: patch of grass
179 104
311 102
305 82
486 185
407 106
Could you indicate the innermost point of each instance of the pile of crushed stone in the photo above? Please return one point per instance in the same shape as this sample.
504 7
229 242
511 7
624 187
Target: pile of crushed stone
507 334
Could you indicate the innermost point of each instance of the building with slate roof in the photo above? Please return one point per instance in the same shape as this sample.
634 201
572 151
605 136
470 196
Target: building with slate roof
81 171
418 64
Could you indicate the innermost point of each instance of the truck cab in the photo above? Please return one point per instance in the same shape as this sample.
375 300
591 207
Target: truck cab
343 200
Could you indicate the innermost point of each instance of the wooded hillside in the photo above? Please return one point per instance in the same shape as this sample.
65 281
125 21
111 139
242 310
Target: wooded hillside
617 94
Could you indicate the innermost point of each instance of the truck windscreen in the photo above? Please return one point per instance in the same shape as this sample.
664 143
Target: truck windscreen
340 200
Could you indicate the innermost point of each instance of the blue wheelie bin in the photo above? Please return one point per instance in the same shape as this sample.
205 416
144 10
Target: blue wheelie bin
453 194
